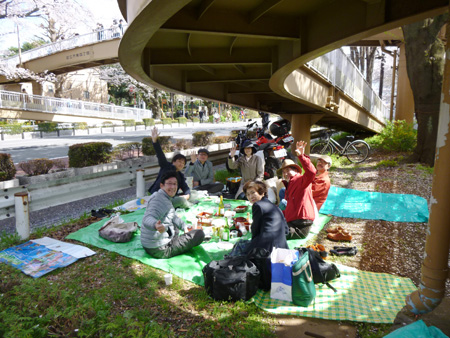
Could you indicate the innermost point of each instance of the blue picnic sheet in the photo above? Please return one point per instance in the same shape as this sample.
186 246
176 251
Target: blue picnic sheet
352 203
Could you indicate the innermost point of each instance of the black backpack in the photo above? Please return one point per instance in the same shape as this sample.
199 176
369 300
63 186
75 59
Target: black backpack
323 272
261 258
231 279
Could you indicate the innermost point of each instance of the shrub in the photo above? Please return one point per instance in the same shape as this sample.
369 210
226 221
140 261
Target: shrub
166 121
59 163
139 123
147 146
223 118
234 116
181 144
80 125
182 120
47 127
87 154
13 129
395 136
148 122
107 124
211 119
195 119
39 166
202 138
27 129
128 149
222 139
7 168
129 123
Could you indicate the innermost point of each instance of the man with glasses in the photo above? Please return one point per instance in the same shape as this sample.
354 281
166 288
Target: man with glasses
160 226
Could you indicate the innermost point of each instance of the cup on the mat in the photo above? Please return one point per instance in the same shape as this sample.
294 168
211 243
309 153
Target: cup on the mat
168 279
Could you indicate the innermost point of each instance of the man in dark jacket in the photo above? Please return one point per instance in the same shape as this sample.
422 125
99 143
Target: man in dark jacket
177 165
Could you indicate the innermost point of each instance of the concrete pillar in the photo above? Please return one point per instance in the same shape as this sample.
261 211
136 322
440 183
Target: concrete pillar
435 269
404 107
21 201
300 128
140 183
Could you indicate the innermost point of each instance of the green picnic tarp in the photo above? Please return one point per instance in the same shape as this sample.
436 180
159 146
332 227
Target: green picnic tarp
352 203
187 266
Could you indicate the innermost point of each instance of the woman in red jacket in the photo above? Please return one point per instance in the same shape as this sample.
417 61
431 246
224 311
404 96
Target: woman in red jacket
300 211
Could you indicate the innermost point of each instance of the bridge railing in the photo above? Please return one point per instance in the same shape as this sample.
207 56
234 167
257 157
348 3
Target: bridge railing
76 41
342 73
53 105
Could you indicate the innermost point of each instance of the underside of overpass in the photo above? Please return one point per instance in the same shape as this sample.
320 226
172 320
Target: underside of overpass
253 53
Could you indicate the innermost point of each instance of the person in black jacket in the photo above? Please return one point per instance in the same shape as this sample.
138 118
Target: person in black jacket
269 227
177 165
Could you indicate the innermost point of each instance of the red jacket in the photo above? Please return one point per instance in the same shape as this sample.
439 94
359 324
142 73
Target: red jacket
320 187
300 203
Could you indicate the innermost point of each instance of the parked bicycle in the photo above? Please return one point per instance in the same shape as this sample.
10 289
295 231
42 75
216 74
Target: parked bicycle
355 150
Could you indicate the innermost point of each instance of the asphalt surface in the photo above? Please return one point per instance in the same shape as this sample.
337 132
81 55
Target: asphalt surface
57 147
23 150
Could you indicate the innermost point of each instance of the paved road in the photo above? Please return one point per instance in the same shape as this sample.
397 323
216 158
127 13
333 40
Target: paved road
57 147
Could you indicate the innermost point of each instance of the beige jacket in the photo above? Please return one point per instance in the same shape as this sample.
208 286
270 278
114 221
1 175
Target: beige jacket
251 170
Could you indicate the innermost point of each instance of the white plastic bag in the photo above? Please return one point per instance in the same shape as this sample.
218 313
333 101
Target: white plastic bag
282 261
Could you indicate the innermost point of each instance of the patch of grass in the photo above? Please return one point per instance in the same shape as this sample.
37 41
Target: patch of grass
387 163
370 330
425 168
111 295
8 240
222 175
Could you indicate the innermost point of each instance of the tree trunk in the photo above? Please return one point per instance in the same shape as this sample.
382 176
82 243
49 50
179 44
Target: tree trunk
424 53
370 58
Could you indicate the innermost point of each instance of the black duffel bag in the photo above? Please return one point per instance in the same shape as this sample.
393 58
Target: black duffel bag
231 279
323 272
261 258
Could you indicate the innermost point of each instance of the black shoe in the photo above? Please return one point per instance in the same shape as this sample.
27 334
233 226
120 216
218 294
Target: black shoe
106 211
344 251
98 214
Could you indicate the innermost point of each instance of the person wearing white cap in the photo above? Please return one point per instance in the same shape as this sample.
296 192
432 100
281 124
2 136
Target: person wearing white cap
321 183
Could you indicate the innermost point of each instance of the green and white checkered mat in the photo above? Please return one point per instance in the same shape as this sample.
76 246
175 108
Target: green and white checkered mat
361 296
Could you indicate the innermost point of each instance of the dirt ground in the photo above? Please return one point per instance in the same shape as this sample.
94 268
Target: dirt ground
390 247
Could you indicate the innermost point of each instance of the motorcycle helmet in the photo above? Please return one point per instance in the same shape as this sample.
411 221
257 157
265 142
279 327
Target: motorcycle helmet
250 144
280 127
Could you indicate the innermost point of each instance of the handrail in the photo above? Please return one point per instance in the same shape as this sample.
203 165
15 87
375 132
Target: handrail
76 41
53 105
342 73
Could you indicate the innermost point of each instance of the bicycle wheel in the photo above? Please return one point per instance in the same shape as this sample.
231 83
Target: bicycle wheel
322 148
357 151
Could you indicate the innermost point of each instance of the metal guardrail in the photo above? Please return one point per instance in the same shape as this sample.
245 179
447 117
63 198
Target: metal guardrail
67 44
342 73
53 105
100 180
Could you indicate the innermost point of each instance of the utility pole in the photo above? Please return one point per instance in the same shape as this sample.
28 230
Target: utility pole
18 43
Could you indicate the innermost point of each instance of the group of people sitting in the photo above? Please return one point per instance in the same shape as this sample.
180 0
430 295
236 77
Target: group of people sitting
304 195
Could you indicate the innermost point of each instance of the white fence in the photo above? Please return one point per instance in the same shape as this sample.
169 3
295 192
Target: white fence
52 105
342 73
75 184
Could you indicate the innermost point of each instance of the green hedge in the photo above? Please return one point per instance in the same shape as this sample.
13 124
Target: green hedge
182 120
148 122
147 145
202 138
91 153
166 121
128 149
195 119
80 125
7 169
13 129
48 127
129 123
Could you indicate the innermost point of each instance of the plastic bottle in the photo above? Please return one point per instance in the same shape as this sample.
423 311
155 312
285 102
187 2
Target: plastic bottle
221 207
226 231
